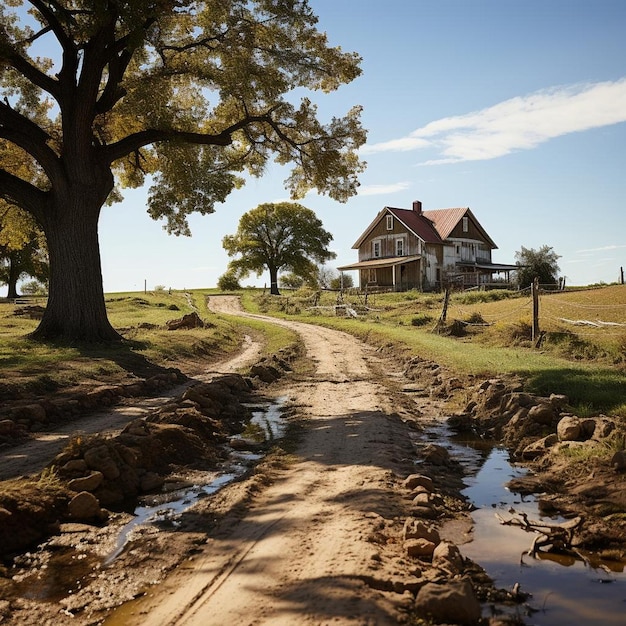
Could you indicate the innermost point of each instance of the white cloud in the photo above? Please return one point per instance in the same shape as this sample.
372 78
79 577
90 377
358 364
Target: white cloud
520 123
380 190
603 248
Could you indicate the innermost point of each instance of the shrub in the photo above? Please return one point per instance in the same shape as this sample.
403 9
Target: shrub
228 282
421 320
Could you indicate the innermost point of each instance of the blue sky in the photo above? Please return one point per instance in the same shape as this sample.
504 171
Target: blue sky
516 109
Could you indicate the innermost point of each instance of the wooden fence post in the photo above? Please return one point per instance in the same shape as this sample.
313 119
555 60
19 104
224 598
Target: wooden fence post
444 311
535 291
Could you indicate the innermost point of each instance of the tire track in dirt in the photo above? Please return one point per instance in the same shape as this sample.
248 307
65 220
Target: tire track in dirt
303 553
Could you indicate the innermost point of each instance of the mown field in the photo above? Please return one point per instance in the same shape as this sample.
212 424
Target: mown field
583 353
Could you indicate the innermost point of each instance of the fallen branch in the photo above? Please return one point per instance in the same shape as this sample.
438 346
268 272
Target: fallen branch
557 536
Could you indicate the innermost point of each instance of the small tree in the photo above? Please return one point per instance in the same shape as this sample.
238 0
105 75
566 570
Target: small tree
291 281
228 282
22 248
542 264
275 236
344 281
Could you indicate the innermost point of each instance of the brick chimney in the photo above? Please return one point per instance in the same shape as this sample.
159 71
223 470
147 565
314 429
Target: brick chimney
417 207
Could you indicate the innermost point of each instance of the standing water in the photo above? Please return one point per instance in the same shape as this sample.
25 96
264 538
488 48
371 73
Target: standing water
564 590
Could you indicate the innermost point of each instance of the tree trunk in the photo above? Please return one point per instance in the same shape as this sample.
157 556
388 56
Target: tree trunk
274 281
14 275
76 309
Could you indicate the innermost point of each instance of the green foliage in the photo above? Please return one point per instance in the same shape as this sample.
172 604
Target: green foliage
228 282
194 97
422 320
291 280
541 264
342 282
275 236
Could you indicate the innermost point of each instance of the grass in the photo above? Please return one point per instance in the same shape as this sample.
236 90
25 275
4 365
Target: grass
148 347
588 364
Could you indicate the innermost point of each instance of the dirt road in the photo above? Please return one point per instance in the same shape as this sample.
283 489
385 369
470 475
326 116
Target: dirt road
320 544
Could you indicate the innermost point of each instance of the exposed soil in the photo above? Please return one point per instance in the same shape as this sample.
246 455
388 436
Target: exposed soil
316 534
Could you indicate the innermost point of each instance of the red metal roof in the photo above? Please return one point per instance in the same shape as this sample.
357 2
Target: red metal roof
420 224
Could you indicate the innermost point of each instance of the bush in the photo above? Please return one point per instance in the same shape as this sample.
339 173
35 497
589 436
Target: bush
228 282
421 320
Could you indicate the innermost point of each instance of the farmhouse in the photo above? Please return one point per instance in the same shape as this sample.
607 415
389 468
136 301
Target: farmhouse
414 249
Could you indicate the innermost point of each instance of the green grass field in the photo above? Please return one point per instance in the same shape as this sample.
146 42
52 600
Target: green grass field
487 334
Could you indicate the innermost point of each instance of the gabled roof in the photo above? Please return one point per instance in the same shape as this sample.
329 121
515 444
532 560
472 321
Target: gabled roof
415 222
430 226
445 221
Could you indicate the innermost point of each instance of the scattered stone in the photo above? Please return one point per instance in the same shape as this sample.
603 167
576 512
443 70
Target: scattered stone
191 320
569 428
84 505
416 529
419 548
618 462
450 603
87 483
418 480
447 556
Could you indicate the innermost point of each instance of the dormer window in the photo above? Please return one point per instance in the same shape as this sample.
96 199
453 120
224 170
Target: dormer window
390 222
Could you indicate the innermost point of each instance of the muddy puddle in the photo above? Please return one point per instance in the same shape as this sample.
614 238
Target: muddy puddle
563 589
67 569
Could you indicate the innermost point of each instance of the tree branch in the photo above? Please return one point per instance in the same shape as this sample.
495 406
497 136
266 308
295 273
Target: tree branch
144 138
21 193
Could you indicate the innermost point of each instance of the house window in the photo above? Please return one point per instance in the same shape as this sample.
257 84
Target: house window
465 224
376 249
390 222
399 247
371 276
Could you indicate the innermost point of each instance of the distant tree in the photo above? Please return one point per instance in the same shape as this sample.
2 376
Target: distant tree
22 248
541 264
192 94
278 236
228 282
291 281
342 282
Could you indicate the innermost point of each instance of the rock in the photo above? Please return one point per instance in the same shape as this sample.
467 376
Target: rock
418 480
569 428
451 603
418 548
618 462
422 499
539 447
75 466
87 483
603 427
542 414
84 505
416 529
99 458
151 481
448 556
191 320
559 401
266 373
437 455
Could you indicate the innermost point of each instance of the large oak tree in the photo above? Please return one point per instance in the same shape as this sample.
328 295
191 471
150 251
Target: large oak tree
275 236
98 94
